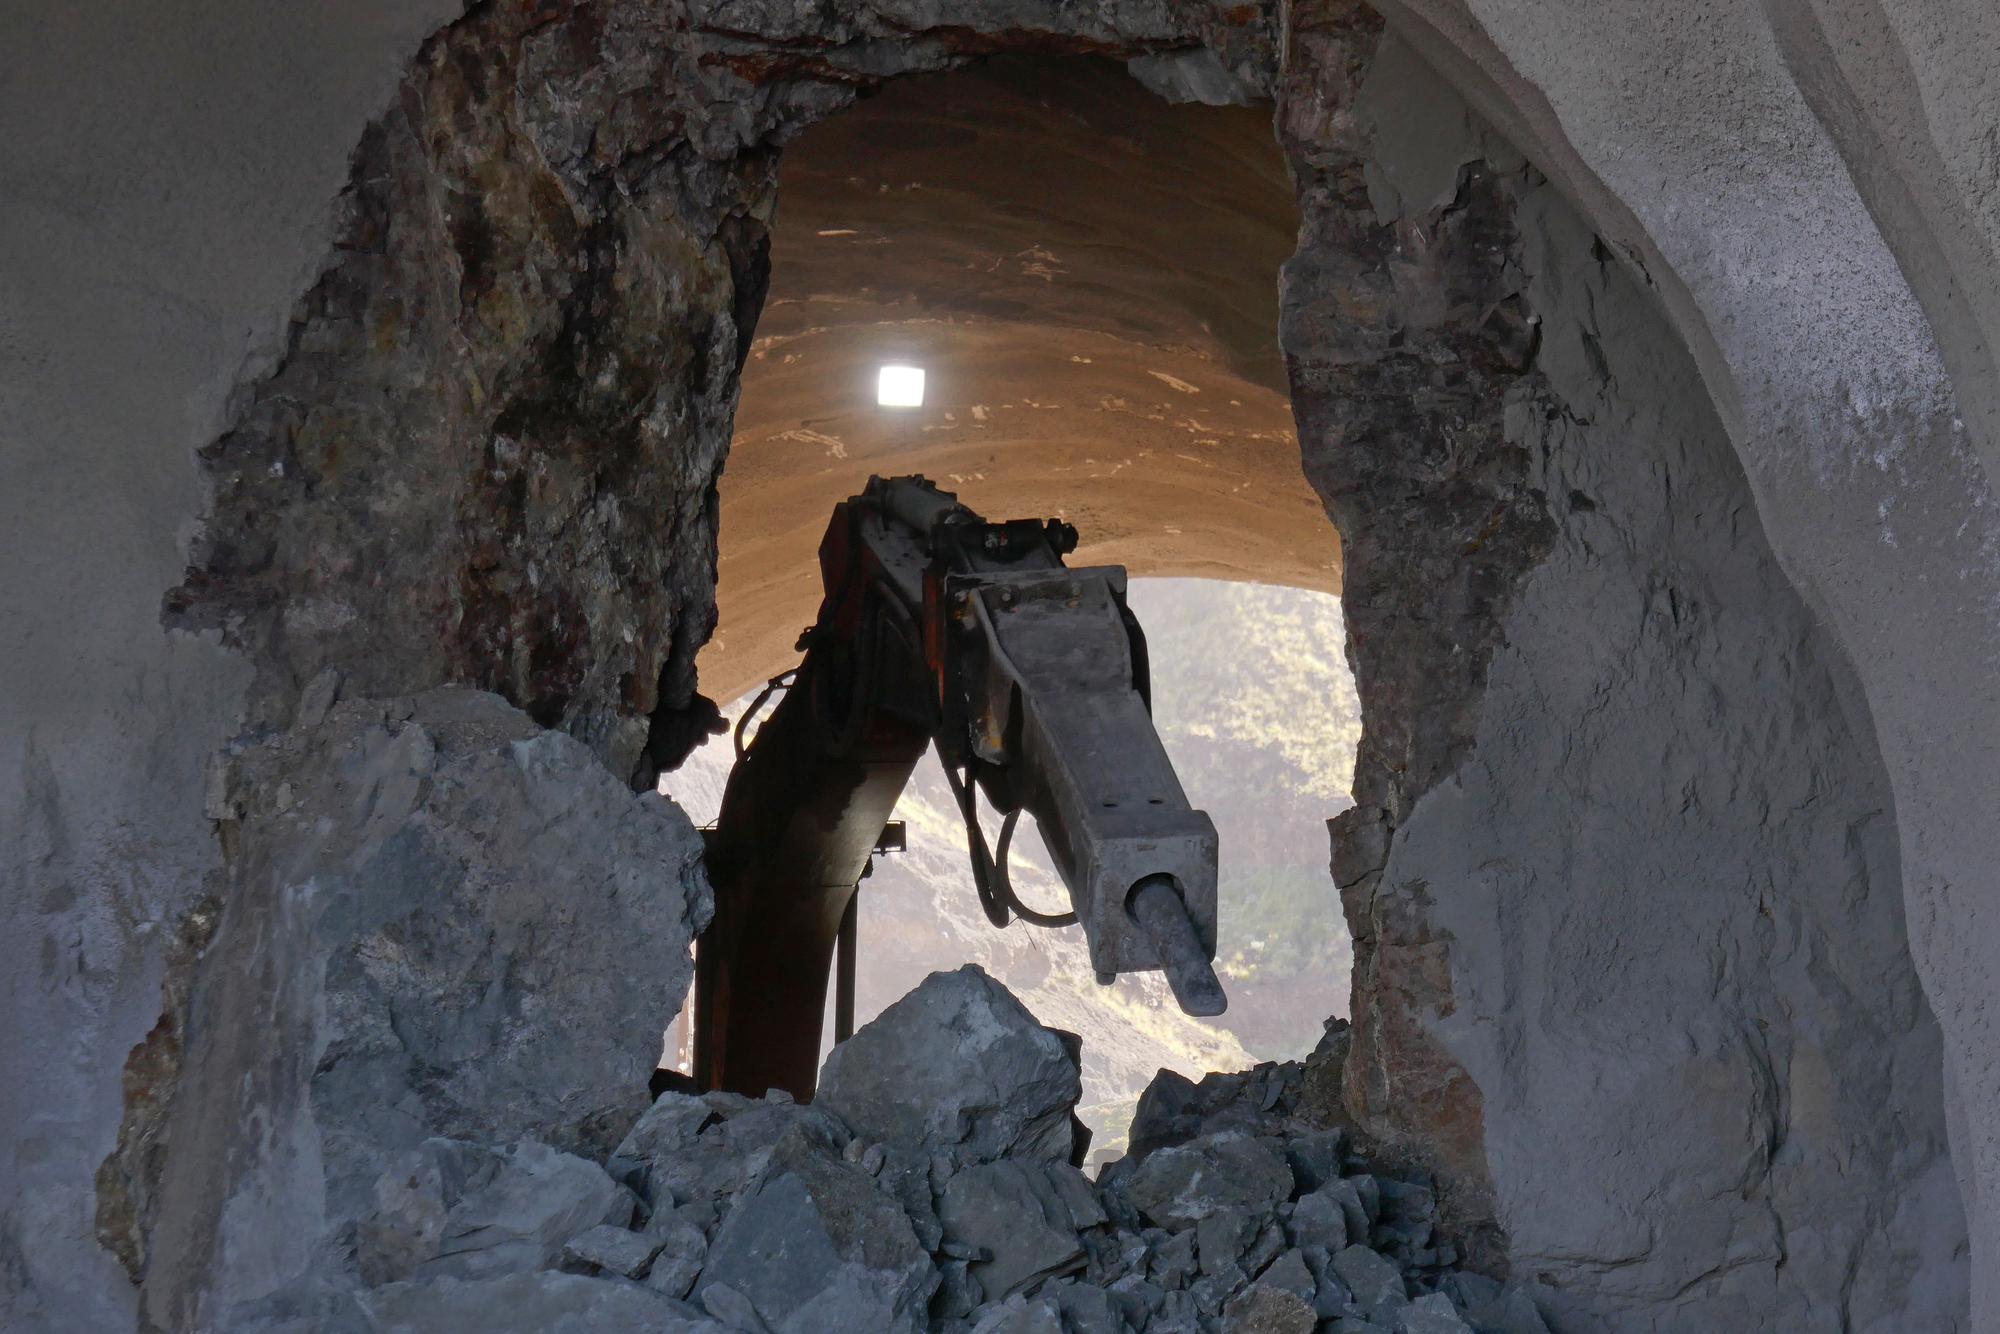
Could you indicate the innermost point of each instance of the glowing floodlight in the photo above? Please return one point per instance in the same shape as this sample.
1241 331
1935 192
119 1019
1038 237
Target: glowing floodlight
900 387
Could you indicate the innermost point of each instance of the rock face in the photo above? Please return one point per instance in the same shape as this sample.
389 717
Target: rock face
1401 356
450 943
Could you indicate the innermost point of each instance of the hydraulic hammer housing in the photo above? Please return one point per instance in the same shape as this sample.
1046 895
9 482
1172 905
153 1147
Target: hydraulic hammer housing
1031 680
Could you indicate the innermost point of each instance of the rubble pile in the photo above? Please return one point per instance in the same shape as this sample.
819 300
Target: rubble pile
932 1185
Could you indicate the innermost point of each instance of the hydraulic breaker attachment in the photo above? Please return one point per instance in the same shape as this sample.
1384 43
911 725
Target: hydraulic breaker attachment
1031 679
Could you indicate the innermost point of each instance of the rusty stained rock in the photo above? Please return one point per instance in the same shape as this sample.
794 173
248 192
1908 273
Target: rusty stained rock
488 454
128 1179
1402 337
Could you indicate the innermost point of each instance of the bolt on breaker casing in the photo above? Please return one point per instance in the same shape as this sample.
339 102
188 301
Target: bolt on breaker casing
1052 701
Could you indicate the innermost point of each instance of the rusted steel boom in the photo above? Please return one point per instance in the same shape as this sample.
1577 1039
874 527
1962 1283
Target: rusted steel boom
1031 680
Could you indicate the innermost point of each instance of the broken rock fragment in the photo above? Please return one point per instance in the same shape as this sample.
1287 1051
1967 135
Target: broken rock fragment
1374 1280
1318 1220
610 1250
413 1198
814 1244
960 1068
1290 1272
1011 1211
1019 1315
521 1220
703 1149
1178 1187
537 1303
1432 1313
759 1216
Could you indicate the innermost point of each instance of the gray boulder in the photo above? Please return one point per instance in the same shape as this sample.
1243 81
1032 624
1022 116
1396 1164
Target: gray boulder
1073 1188
1318 1220
1375 1282
1138 1298
1018 1315
505 923
1512 1312
1223 1236
1316 1158
521 1219
1290 1272
1173 1261
1178 1314
1012 1212
1331 1296
1089 1309
1269 1244
958 1294
814 1244
960 1068
1354 1208
1174 1109
673 1275
454 925
733 1309
1177 1187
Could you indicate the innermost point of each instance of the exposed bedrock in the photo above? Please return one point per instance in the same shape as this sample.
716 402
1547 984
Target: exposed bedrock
1637 823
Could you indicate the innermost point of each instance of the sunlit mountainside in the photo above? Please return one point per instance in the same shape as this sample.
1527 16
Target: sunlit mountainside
1252 696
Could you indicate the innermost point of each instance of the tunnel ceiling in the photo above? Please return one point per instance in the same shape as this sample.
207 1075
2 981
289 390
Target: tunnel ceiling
1088 277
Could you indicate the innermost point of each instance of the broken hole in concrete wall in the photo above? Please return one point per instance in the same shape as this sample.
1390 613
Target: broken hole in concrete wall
1087 279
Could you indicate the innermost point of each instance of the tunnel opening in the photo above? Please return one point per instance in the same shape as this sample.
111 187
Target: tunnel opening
1268 768
1087 276
1071 288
